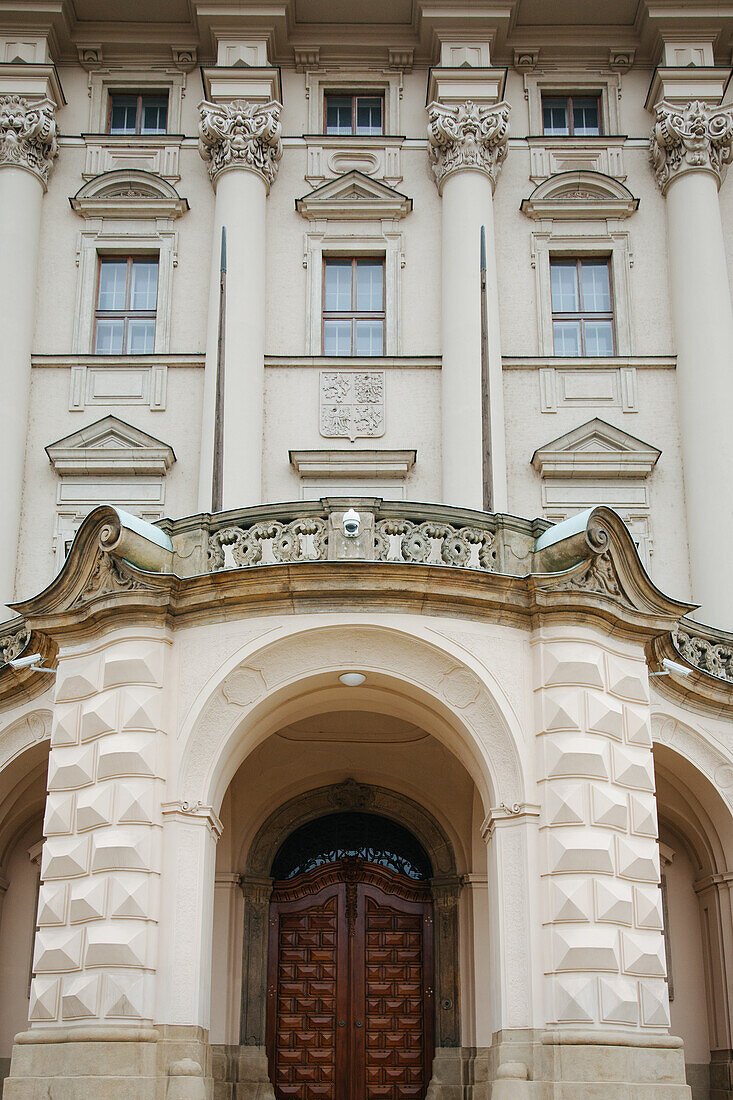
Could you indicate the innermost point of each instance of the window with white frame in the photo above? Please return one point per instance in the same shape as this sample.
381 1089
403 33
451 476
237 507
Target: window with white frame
582 306
127 297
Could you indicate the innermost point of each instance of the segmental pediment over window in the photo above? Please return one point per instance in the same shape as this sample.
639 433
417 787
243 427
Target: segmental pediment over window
579 195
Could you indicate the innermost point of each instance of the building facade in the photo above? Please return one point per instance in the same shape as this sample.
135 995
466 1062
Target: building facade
366 394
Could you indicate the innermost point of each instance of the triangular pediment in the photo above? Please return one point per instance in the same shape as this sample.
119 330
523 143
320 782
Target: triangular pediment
596 449
354 196
110 447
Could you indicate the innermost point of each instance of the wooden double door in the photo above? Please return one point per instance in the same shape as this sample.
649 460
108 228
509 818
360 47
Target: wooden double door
350 998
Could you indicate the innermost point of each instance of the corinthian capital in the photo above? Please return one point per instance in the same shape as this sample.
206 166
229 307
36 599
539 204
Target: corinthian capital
28 135
467 136
241 135
690 138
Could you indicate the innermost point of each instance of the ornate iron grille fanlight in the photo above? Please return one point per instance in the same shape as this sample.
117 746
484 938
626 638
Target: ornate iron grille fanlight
338 836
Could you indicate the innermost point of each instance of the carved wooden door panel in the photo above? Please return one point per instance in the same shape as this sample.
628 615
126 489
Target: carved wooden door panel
350 999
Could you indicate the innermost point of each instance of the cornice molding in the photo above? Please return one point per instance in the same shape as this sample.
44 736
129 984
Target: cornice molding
128 194
579 196
354 196
596 449
468 136
241 134
690 138
28 136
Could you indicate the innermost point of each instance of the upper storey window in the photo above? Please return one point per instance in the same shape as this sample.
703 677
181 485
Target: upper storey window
354 114
582 307
127 299
571 115
131 113
353 306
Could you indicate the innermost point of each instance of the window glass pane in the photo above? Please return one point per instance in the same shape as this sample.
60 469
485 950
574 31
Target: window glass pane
154 114
564 287
140 336
586 121
338 114
566 337
369 286
109 337
144 290
112 280
123 114
598 338
337 289
369 115
595 286
555 116
337 337
368 338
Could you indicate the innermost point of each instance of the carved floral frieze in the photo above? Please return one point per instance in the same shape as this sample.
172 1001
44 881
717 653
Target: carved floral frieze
468 136
690 138
239 134
28 136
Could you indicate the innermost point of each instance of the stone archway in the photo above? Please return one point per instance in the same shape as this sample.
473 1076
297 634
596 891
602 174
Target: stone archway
256 886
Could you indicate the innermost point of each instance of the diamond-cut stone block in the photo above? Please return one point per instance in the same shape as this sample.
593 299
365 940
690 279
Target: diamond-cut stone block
637 859
44 1000
648 907
141 709
564 804
572 663
94 807
80 998
59 816
633 767
569 901
77 679
124 996
69 769
120 849
584 948
561 710
654 1004
99 716
132 663
57 949
613 901
566 755
135 802
127 754
609 808
627 679
52 904
575 851
643 954
88 900
130 897
575 1000
643 814
65 727
65 857
604 715
619 1001
638 726
118 943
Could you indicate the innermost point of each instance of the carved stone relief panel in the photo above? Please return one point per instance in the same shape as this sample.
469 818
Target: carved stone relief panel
352 404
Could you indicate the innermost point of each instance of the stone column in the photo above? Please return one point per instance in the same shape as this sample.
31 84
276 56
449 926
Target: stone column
240 141
607 1008
690 147
467 143
27 150
716 922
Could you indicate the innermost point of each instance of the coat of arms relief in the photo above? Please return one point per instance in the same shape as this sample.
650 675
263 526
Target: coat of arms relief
352 404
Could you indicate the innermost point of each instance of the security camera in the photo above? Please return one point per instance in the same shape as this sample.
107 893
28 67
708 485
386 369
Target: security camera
32 661
673 666
351 523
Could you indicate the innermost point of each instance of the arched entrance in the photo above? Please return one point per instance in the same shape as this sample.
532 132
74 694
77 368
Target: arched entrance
350 1004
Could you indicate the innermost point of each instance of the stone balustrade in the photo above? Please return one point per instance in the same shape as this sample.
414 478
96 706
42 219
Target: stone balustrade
706 649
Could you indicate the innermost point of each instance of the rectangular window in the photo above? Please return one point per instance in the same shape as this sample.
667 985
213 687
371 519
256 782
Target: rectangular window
582 307
571 115
353 306
354 114
127 297
138 114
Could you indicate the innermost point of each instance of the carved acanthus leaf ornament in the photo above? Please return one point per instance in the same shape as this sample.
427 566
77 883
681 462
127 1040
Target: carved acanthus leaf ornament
28 135
241 135
467 136
690 138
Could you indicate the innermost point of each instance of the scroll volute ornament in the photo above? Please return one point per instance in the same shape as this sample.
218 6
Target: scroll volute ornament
239 134
690 138
467 136
28 137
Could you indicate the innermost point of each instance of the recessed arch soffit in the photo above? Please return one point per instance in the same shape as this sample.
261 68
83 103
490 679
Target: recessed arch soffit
21 734
579 195
229 718
713 765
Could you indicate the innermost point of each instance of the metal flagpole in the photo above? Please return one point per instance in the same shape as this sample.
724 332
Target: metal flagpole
485 414
218 470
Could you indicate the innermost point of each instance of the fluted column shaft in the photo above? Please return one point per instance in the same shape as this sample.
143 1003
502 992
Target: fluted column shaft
690 147
241 142
467 144
27 150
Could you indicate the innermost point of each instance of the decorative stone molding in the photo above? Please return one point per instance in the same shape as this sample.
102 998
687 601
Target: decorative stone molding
706 651
467 136
239 134
28 135
693 137
14 641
